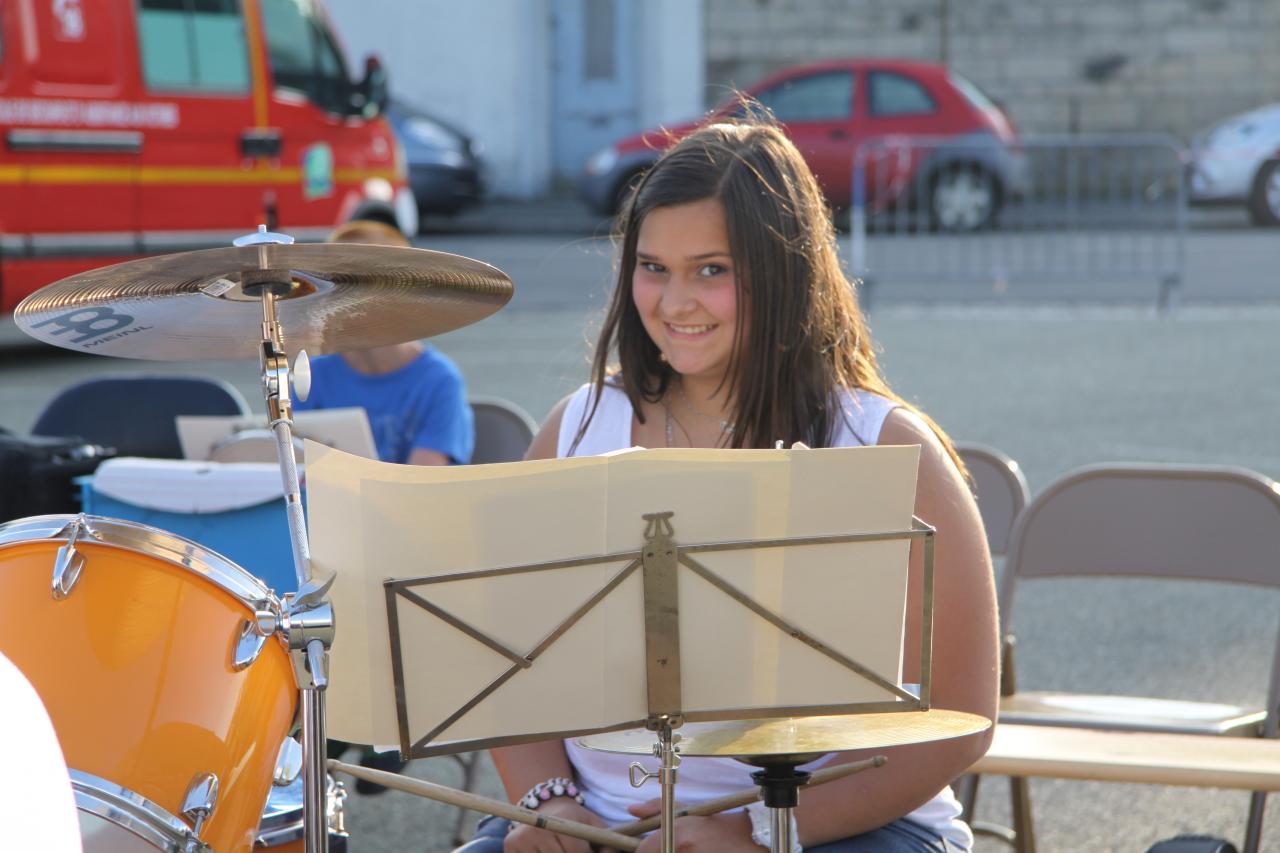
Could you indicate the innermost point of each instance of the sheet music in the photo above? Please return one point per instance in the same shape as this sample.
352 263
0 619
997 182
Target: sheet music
370 521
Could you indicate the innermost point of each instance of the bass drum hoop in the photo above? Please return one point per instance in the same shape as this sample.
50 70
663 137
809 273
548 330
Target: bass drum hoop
148 541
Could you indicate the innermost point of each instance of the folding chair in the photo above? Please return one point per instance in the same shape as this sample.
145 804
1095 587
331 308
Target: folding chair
135 414
1001 492
503 430
1144 521
999 487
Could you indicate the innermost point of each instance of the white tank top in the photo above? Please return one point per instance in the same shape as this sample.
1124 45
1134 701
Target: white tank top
603 776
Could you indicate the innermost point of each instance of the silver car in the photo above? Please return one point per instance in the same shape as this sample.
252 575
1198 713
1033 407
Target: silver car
1237 161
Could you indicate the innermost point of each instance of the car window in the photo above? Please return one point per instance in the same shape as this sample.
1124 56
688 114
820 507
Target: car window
193 45
817 97
977 98
303 55
894 94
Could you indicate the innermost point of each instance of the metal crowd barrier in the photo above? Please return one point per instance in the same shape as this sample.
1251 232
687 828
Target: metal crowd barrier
1052 217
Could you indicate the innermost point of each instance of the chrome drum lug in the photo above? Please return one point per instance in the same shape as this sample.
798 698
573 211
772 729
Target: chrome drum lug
200 801
69 562
248 645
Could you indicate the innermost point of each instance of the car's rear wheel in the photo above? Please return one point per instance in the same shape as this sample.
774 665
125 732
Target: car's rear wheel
963 197
1264 200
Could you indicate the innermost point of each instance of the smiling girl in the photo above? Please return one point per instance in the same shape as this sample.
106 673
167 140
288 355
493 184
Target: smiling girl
733 326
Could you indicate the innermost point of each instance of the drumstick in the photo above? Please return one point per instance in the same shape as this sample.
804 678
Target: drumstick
467 800
747 795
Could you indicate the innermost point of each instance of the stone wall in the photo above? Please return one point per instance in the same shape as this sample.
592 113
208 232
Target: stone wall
1058 66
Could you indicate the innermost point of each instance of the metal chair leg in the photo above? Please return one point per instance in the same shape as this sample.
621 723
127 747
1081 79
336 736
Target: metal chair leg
1253 828
467 762
966 788
992 830
1023 824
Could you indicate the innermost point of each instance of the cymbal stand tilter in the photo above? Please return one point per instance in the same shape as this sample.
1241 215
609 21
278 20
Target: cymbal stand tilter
306 622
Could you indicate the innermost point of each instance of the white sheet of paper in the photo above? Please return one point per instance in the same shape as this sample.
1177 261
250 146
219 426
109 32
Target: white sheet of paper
347 429
371 521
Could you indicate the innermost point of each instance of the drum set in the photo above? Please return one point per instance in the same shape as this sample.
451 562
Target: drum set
188 697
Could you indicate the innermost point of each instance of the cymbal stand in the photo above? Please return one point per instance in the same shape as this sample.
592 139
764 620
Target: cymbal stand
780 784
307 621
666 750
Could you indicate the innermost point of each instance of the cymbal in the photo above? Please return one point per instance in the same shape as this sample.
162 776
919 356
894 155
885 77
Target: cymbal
798 736
193 305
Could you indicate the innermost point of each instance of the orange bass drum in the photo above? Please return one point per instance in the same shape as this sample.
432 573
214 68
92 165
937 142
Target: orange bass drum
169 706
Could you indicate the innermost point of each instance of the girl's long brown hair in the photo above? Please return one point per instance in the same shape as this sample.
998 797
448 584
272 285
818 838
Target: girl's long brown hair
807 339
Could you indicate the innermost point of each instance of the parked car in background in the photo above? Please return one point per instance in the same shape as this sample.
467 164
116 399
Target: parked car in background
962 155
1237 162
445 169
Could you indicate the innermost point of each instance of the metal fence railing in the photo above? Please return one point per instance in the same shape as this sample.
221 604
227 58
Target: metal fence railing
1044 215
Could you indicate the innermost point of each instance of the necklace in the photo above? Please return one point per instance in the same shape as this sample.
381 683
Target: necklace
726 426
670 428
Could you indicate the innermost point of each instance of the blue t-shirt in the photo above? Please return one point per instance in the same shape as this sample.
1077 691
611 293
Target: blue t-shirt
421 405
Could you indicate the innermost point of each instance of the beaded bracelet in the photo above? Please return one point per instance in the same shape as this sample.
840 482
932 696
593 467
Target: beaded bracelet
557 786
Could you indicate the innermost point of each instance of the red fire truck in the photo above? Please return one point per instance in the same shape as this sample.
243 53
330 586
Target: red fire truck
135 127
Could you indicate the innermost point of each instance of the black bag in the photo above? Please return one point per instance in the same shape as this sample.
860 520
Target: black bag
36 473
1193 844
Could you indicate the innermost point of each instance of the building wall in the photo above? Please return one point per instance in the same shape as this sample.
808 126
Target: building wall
486 66
673 65
483 66
1058 66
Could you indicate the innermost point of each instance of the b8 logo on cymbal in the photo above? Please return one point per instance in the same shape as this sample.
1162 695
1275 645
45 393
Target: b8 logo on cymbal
88 323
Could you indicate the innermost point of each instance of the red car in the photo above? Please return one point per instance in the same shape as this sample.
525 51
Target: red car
967 163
